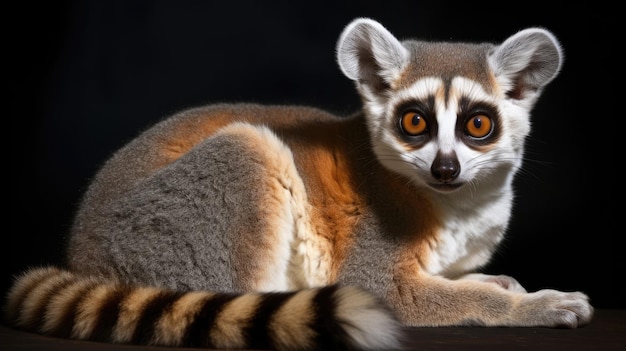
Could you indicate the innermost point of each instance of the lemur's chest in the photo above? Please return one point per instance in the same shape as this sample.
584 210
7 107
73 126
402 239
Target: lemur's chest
468 237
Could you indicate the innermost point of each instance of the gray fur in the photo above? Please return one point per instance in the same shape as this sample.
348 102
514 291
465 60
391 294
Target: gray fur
182 220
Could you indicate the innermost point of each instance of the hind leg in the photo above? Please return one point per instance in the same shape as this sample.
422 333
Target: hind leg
220 217
274 197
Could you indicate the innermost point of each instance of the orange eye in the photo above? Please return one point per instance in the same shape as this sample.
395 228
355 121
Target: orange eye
479 126
413 123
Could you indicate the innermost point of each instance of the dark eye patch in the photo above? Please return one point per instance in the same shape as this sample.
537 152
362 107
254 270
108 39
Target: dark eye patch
478 123
426 110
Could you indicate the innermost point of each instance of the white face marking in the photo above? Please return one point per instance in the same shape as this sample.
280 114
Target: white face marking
446 121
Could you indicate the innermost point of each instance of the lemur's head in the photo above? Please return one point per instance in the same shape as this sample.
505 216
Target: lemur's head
448 114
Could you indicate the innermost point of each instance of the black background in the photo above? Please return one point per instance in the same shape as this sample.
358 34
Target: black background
86 77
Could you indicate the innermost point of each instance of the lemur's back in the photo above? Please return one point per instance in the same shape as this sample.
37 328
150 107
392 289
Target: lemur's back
168 140
286 227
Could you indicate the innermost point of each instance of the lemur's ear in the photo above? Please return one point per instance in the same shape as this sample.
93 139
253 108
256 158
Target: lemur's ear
370 55
525 62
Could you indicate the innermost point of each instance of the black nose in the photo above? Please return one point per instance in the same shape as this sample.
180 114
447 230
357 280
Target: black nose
445 167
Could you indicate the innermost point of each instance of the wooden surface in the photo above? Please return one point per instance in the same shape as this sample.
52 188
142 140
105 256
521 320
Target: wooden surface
606 332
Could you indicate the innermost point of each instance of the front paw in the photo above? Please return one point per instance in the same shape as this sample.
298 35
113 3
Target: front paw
552 308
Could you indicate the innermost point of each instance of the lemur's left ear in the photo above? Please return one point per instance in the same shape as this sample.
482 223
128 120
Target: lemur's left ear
370 55
525 62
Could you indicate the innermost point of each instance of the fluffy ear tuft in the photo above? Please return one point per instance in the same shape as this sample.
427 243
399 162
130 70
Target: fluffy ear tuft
370 55
527 61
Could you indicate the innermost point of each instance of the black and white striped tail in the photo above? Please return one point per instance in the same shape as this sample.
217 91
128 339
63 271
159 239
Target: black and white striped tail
56 302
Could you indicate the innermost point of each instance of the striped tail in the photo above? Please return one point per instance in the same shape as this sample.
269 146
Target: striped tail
56 302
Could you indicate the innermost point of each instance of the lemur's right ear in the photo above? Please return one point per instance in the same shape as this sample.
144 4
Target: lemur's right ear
370 55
